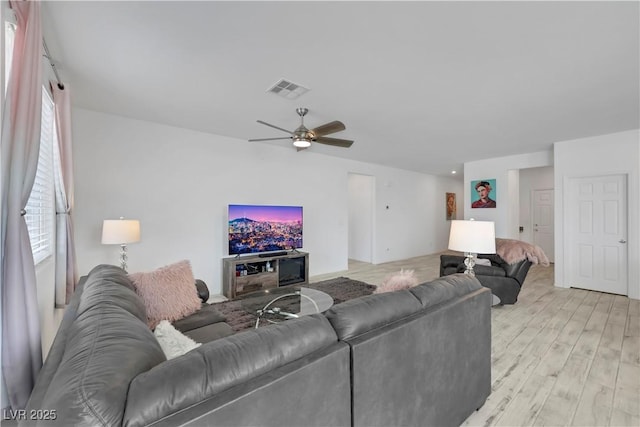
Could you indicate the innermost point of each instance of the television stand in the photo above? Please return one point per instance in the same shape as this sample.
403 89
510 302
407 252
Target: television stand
250 273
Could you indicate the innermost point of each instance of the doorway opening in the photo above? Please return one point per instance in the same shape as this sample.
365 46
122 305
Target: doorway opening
537 208
361 208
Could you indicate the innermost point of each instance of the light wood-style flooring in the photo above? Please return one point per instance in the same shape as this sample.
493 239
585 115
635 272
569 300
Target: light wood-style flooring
560 357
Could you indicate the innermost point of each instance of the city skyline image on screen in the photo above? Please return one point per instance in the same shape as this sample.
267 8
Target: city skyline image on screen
263 228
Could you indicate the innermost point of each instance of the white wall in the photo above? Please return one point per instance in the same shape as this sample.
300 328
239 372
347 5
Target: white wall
617 153
532 179
410 214
178 183
441 225
506 172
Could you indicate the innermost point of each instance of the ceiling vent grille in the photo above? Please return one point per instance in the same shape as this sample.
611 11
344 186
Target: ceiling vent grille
287 89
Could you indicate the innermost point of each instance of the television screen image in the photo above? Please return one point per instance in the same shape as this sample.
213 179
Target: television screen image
261 228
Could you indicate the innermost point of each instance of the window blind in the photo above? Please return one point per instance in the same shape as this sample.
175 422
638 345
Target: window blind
41 205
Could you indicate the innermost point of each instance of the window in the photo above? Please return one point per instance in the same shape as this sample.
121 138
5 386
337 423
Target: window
40 207
9 35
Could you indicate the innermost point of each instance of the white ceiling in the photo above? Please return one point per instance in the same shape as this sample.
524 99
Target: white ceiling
424 86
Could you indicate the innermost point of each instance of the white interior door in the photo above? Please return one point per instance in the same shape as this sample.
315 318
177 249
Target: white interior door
598 234
543 221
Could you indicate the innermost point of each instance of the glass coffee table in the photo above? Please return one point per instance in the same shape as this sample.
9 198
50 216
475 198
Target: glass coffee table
287 302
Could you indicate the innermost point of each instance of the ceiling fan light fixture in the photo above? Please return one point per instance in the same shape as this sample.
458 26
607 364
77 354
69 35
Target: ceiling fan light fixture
301 143
303 137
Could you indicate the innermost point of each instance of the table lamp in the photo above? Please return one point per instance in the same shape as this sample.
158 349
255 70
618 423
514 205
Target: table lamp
472 237
120 232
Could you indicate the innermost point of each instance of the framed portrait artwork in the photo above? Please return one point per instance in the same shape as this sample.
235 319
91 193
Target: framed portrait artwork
483 193
451 206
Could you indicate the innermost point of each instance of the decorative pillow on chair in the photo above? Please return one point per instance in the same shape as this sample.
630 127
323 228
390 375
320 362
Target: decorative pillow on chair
168 292
172 341
405 279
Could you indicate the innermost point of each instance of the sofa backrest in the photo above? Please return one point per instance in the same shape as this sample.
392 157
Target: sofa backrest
445 289
189 380
104 344
359 315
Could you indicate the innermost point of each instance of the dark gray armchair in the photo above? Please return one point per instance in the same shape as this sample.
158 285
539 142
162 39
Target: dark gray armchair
504 280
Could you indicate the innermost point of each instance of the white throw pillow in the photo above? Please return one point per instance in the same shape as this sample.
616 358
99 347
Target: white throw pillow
483 261
172 341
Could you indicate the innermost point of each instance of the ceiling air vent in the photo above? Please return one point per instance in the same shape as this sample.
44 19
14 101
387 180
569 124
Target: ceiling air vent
287 89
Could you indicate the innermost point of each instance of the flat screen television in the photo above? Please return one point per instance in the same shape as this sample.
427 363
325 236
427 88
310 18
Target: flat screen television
262 228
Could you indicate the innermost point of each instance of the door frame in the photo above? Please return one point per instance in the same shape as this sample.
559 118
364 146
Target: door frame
368 210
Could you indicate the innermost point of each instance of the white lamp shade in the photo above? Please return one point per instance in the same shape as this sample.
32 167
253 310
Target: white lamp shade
119 231
478 237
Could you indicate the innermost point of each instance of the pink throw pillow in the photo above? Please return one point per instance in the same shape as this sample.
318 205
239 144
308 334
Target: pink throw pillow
405 279
168 293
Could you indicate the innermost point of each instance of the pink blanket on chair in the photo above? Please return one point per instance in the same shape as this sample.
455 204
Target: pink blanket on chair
513 251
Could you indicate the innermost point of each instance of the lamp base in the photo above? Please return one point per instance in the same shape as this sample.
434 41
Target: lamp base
123 257
470 261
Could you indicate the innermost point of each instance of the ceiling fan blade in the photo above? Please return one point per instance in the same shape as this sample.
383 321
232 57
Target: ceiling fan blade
269 139
275 127
327 128
346 143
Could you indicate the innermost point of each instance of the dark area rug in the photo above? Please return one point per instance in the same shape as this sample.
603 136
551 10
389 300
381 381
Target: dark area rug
341 289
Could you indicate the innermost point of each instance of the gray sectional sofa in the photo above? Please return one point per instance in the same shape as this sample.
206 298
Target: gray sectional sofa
418 357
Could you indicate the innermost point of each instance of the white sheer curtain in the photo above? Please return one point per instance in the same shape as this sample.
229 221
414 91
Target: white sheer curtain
21 345
66 266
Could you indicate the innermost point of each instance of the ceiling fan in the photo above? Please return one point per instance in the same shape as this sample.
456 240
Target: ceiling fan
303 137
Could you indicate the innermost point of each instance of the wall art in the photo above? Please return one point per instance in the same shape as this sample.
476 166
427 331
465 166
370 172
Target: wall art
483 193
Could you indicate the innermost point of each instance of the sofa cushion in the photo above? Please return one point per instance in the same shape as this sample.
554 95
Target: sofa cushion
221 364
169 293
207 315
210 332
359 315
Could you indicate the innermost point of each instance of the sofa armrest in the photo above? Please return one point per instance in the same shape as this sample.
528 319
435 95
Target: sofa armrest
518 270
450 263
203 290
486 270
